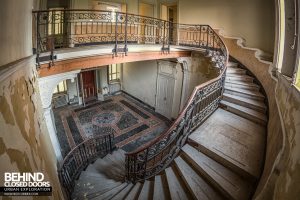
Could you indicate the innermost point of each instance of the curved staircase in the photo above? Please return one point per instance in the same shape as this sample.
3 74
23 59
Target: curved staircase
223 158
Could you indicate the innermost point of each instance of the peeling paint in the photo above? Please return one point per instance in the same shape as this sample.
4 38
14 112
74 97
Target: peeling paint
5 111
24 142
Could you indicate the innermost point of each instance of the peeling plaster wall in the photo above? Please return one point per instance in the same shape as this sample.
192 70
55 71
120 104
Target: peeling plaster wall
288 98
24 139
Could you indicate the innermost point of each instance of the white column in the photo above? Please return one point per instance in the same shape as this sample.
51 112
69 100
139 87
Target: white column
52 134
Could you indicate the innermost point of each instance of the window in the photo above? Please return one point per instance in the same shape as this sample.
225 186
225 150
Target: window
114 73
55 25
61 87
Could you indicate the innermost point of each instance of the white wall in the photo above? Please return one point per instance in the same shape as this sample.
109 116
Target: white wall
139 80
16 30
253 20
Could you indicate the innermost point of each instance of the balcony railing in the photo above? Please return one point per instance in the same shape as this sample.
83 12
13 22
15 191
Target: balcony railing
81 156
54 29
72 28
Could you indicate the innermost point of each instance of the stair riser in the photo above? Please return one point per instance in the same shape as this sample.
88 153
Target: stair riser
245 104
211 181
222 160
232 85
244 115
242 79
244 95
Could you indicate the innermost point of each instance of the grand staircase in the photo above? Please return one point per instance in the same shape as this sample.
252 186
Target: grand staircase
223 158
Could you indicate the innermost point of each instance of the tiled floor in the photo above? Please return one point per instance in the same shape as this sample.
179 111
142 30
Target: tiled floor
132 123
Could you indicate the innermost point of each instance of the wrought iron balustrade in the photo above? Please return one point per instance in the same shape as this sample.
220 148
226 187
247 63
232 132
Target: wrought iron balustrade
54 29
81 156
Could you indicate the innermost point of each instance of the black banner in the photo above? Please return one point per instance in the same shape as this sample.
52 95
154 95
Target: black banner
25 191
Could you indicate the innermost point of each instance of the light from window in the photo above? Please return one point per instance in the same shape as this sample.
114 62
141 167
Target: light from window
114 73
61 87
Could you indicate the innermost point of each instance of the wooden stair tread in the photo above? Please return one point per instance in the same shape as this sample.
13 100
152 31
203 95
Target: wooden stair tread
160 192
250 112
238 149
196 185
133 194
123 193
242 86
228 182
109 194
235 82
252 103
84 189
235 71
246 91
241 77
146 191
176 188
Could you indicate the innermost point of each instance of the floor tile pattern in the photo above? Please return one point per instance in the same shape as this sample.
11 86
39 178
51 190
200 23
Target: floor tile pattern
132 123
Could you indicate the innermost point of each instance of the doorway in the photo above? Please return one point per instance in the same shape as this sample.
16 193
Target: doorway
169 12
88 85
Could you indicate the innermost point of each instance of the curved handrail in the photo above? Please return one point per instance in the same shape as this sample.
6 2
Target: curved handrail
81 156
68 28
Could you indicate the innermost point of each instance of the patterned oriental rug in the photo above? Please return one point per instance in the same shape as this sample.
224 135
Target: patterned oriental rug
132 123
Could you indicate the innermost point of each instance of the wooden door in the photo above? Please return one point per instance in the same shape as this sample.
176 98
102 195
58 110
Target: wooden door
164 95
89 87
